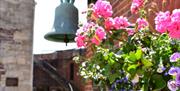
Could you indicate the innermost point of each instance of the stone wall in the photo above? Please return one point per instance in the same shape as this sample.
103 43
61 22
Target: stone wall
16 36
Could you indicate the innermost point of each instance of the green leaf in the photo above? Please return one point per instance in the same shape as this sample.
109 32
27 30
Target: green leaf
113 77
158 82
132 69
107 70
106 56
146 63
138 54
111 61
132 57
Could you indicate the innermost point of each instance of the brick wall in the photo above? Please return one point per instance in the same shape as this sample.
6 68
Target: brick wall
63 59
16 34
122 7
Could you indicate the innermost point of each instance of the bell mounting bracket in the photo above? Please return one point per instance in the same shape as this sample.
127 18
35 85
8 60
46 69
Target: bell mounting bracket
68 1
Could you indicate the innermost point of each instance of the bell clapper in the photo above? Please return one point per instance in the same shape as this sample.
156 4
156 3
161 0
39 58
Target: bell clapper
66 39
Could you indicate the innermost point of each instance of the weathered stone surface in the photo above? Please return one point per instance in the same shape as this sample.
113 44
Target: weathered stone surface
16 35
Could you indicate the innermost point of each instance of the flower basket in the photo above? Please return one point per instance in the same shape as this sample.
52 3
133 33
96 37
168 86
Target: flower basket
128 56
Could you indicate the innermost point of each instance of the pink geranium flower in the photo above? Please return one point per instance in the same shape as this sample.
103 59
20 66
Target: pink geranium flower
109 23
174 30
142 23
79 31
174 26
121 22
136 5
80 40
175 17
100 34
95 40
134 8
130 32
87 26
169 23
138 2
102 8
162 21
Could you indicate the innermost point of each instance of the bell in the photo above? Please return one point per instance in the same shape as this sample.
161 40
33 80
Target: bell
65 23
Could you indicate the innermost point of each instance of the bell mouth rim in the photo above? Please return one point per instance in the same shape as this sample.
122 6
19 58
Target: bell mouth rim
60 37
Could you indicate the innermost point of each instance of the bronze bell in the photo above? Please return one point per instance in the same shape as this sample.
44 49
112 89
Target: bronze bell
65 23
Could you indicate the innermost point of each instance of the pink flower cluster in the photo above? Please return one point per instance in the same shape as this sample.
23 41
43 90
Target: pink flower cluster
142 23
136 5
116 23
103 9
166 22
121 22
83 34
93 31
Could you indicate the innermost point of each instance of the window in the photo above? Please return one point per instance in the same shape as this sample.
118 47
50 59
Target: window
12 81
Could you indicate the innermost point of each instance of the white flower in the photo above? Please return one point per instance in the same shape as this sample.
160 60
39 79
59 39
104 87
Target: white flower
98 67
159 70
135 79
82 73
83 64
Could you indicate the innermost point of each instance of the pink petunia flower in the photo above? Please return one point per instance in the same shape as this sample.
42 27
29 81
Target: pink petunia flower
178 79
103 9
174 71
172 85
121 22
142 23
174 57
